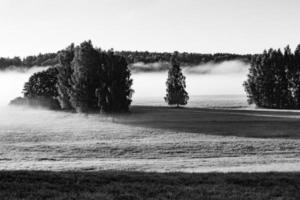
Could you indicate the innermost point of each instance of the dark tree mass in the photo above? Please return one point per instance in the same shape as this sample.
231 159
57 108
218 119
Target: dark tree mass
114 93
86 67
40 90
274 79
64 82
84 80
90 79
41 84
176 94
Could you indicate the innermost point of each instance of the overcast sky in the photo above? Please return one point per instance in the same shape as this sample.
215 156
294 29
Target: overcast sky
204 26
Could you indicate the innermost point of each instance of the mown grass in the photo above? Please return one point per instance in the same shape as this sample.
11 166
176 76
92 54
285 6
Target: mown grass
262 124
121 185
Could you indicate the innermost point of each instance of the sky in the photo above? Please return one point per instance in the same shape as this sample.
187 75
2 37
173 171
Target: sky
204 26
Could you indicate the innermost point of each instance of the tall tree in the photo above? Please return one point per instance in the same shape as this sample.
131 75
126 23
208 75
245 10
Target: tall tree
296 80
287 76
86 67
265 80
114 92
64 82
176 93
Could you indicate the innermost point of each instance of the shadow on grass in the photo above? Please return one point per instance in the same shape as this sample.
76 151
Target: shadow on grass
109 185
262 124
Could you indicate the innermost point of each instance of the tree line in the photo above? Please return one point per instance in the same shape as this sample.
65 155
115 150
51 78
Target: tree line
189 59
48 59
274 79
184 58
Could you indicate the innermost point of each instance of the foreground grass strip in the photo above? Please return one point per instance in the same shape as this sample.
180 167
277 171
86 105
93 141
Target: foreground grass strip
108 185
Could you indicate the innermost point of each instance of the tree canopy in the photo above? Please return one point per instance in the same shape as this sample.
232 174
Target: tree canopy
40 90
274 79
85 79
176 93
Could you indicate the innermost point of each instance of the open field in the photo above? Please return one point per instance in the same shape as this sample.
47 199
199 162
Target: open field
150 139
117 185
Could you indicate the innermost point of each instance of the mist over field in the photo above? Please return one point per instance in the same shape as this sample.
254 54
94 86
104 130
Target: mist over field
217 85
37 139
211 81
12 81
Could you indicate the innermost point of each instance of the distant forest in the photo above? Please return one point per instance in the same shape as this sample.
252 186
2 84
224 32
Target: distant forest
186 59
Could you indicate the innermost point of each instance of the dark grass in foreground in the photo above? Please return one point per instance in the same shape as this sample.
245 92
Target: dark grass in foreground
138 185
245 123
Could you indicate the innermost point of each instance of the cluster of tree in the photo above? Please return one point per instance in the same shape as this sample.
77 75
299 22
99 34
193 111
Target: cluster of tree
40 90
85 79
48 59
274 79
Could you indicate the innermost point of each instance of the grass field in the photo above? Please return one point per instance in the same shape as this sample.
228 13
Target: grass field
74 149
244 123
157 139
109 185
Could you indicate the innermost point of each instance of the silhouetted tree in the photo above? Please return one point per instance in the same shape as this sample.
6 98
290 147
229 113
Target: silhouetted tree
296 79
286 79
42 84
41 89
85 79
273 79
114 92
86 67
64 82
176 94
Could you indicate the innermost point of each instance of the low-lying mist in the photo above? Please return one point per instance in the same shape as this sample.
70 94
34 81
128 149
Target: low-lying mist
150 88
209 79
227 67
12 82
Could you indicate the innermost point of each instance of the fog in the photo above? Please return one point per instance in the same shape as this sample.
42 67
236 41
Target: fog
12 82
148 67
210 79
150 88
204 82
222 79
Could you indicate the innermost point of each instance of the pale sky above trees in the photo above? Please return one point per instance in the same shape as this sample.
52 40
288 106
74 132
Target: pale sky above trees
204 26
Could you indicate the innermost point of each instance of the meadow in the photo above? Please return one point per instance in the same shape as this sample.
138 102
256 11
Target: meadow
215 148
157 139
